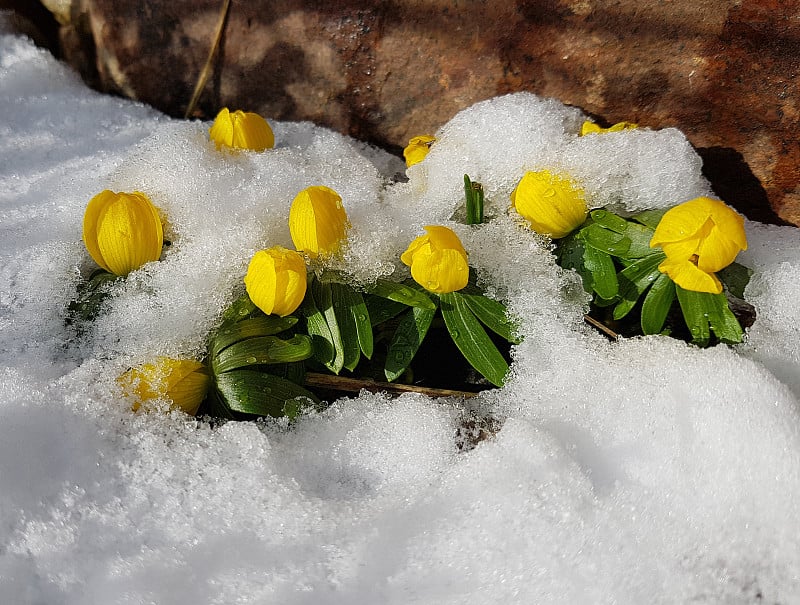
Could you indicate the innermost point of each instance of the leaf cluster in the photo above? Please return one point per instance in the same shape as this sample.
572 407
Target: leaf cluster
619 268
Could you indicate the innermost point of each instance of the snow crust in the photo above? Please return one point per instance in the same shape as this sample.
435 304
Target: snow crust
644 471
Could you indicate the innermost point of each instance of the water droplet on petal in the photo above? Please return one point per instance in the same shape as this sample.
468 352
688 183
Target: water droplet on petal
549 192
432 284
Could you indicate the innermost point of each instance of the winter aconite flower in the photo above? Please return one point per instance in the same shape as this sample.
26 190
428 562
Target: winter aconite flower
184 382
438 260
122 231
553 204
591 128
241 130
317 221
276 280
699 237
417 149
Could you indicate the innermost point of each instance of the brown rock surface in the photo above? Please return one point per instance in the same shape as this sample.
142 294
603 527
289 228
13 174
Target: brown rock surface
723 71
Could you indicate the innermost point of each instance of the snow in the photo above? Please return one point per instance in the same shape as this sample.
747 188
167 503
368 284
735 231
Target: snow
643 471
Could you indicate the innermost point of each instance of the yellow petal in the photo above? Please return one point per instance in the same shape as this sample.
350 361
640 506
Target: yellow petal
441 271
717 251
438 260
552 204
276 280
241 130
689 277
591 128
184 382
417 148
317 221
122 231
684 221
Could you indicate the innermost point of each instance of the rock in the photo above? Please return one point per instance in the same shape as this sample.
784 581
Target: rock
723 71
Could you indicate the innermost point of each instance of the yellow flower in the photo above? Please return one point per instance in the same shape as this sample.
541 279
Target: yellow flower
184 382
417 149
438 260
699 237
122 231
553 204
241 130
317 221
276 280
591 128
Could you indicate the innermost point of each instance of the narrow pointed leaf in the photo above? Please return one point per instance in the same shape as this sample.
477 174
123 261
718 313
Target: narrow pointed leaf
264 325
242 308
605 240
493 315
358 308
406 340
382 309
471 339
604 275
657 304
735 277
317 329
323 298
473 193
650 218
258 393
401 293
571 251
263 350
634 280
609 220
694 307
346 321
721 319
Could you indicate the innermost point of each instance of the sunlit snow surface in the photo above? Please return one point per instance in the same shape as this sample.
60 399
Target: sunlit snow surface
645 471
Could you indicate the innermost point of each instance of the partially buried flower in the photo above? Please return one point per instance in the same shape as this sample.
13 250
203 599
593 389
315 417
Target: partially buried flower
317 221
122 231
553 204
241 130
438 260
417 149
591 128
184 382
699 237
276 280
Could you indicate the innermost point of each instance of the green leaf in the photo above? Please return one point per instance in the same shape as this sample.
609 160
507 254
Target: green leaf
735 277
605 240
570 252
382 309
242 308
657 304
401 293
694 306
721 319
406 341
262 350
259 393
474 201
650 218
604 275
343 299
634 280
609 220
493 314
358 308
317 328
471 339
640 237
323 298
264 325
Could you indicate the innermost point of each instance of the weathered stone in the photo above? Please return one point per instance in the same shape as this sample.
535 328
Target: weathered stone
723 71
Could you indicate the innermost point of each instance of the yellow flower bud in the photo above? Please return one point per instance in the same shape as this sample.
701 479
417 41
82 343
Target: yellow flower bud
553 204
317 221
122 231
699 237
276 280
241 130
184 382
438 260
591 128
417 149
